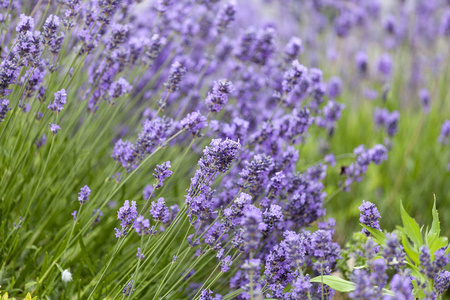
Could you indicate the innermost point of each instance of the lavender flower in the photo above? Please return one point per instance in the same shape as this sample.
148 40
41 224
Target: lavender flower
25 24
445 23
84 194
141 225
206 295
124 153
177 72
293 49
219 95
41 141
161 173
335 87
402 288
226 264
119 88
393 252
293 76
369 216
126 214
156 44
425 100
194 122
441 282
54 128
445 133
440 259
363 285
218 156
119 34
225 16
128 289
330 159
384 65
74 214
98 213
159 211
59 101
4 108
139 254
361 62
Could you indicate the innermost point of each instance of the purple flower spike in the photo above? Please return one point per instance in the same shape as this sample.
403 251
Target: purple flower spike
54 128
59 101
161 173
159 211
369 216
4 108
194 122
84 194
445 133
126 214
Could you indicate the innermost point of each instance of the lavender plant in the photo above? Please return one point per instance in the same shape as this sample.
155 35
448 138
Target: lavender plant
187 149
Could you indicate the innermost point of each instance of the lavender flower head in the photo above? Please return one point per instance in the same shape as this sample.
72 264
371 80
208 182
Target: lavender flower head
119 88
293 48
441 282
194 122
25 24
225 16
141 225
384 65
361 62
177 72
84 194
124 153
425 100
369 216
128 289
126 214
219 95
335 87
161 173
159 211
59 101
4 108
218 156
54 128
445 133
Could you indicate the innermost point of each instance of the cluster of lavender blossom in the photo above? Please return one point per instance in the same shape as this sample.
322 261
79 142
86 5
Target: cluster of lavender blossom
182 73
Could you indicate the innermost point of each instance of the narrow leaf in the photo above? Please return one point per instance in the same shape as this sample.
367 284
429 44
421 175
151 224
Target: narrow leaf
412 229
378 236
336 283
435 225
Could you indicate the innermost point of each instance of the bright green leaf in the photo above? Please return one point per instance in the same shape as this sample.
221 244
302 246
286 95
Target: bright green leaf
412 229
377 235
435 225
336 283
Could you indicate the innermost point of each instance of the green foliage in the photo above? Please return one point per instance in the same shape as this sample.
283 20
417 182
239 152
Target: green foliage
412 238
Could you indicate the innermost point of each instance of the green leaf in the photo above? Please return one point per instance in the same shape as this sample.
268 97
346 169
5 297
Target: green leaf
409 249
435 225
438 243
412 229
341 285
336 283
415 272
388 292
377 235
